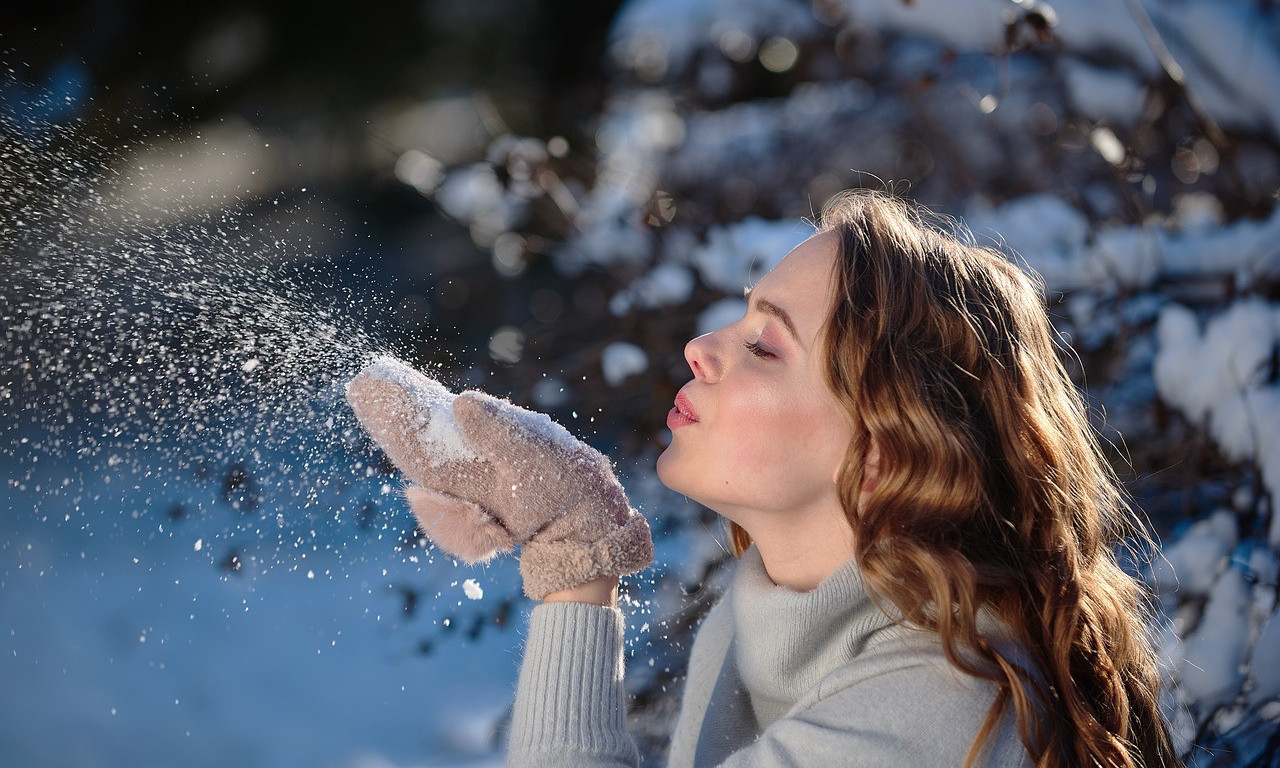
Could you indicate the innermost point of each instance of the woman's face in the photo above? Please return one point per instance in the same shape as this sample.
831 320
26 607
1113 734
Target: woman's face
758 430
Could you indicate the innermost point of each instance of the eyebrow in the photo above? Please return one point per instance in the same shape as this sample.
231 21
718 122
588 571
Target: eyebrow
773 310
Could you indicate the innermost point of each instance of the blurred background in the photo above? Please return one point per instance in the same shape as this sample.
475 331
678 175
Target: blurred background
211 215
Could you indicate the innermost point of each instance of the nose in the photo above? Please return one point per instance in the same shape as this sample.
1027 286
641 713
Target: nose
700 353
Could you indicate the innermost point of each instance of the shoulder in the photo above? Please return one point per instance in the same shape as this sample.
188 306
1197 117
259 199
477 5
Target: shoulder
903 693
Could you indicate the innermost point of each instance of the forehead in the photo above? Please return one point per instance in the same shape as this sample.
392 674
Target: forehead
803 282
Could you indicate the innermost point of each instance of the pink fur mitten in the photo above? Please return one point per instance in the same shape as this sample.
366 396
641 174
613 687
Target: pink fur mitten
488 476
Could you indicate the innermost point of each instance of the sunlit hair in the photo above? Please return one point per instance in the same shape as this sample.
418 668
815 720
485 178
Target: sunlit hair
993 495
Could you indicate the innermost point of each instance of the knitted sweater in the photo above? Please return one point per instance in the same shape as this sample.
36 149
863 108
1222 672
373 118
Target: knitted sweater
776 678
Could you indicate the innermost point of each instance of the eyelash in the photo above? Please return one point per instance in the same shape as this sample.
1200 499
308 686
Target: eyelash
754 348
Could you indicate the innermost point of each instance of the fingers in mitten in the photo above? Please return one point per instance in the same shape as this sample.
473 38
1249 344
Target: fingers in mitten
459 527
540 469
394 419
503 430
382 408
399 420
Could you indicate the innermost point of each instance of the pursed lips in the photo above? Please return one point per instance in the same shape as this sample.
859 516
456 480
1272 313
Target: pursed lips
685 407
682 414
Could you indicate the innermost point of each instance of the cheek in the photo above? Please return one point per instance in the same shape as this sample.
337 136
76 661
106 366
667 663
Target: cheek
787 431
805 442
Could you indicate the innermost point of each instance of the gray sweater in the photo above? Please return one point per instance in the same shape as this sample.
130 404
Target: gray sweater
776 678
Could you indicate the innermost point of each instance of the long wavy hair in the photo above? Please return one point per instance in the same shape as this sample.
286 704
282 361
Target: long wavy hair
993 494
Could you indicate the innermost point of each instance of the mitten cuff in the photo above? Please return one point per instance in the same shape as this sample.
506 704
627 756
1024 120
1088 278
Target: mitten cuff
550 566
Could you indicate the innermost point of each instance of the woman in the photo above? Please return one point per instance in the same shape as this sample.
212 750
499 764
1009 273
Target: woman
923 518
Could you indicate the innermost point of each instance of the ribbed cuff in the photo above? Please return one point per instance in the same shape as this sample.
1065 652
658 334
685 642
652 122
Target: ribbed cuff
571 699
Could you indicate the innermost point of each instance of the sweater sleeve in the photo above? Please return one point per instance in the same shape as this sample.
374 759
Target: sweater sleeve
570 707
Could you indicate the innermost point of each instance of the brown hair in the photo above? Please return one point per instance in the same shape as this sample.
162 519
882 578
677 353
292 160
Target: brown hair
993 494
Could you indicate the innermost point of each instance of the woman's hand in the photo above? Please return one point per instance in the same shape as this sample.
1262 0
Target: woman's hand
489 476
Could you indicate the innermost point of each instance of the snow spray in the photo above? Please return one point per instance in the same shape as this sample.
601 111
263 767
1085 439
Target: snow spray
156 330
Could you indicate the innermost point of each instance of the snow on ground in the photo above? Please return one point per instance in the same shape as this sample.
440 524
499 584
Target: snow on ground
125 643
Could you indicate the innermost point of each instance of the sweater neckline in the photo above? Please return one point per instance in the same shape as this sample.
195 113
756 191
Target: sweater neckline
786 641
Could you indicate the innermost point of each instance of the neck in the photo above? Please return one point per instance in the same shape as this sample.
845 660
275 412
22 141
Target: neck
800 553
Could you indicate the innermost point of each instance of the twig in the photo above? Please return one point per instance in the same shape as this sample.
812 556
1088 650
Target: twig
1175 73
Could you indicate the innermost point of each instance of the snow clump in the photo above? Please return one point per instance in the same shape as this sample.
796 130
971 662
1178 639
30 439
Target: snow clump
720 314
664 285
739 254
472 589
621 360
1218 378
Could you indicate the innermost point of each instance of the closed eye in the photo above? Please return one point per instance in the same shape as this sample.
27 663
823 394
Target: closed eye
754 348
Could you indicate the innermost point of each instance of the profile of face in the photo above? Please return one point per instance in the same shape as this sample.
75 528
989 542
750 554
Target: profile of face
757 434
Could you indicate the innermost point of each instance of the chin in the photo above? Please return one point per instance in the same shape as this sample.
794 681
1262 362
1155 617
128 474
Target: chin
664 469
673 474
